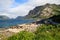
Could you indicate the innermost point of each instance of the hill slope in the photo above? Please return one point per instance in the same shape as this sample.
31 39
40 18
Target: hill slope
44 11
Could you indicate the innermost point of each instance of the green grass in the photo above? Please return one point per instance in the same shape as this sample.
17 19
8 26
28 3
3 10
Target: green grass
48 32
44 32
24 35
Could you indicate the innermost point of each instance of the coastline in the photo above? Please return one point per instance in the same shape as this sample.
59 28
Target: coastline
15 29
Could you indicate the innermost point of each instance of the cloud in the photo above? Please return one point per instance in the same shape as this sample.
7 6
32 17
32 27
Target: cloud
21 9
5 4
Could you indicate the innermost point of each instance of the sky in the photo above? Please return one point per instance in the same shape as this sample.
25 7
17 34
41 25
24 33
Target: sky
14 8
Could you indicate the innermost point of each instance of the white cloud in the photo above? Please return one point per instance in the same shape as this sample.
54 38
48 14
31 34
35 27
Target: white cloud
5 4
3 13
22 9
42 2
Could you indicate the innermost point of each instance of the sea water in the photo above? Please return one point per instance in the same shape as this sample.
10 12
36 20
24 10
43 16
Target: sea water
13 22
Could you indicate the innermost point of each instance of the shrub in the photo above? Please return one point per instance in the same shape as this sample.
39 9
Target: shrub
44 32
47 32
24 35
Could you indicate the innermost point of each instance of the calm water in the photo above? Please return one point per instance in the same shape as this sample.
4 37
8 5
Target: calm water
12 22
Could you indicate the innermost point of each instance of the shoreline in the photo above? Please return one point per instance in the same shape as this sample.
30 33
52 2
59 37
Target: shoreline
20 27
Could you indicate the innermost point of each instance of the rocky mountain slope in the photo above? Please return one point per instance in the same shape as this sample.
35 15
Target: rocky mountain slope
44 11
48 13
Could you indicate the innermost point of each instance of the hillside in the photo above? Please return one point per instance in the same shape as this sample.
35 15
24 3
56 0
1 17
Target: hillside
3 17
44 11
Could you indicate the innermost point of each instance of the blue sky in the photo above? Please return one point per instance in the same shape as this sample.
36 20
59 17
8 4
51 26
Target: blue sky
21 1
14 8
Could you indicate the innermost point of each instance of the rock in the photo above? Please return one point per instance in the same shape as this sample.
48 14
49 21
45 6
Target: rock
23 27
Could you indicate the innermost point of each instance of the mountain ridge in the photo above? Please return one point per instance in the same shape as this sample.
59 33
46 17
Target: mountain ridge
47 10
3 17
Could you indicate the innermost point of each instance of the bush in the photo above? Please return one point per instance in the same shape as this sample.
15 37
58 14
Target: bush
44 32
47 32
24 35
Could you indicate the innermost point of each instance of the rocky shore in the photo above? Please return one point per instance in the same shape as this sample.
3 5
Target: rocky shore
15 29
23 27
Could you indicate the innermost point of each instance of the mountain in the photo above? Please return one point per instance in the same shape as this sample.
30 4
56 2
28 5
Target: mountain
19 17
3 17
44 11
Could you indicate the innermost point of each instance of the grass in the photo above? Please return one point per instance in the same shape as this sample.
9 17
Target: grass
44 32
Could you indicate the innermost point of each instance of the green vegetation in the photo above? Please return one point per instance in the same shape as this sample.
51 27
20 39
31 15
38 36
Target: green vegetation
24 35
48 32
2 37
44 32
